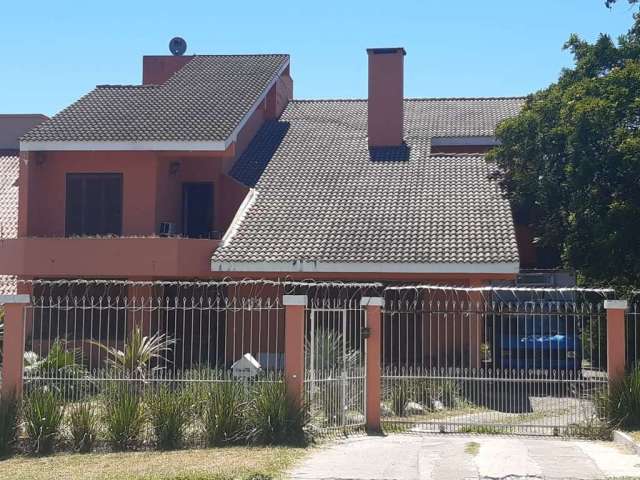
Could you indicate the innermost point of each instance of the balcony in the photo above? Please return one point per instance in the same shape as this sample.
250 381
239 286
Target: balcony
107 257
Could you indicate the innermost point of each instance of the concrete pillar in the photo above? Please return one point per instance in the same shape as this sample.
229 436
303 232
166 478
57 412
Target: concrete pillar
616 342
373 310
294 345
13 343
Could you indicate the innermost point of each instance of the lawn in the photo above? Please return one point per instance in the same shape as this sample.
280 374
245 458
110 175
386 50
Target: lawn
207 464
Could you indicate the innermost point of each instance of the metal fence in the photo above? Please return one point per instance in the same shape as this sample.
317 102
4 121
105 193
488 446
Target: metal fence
335 385
494 361
88 336
453 359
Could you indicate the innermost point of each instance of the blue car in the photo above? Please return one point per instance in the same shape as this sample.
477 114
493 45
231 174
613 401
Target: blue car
538 338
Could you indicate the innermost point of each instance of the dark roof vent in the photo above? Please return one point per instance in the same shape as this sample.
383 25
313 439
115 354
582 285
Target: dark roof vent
177 46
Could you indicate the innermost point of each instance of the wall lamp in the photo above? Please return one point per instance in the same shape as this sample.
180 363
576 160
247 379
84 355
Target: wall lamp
174 167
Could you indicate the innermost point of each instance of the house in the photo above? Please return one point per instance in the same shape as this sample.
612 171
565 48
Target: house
211 169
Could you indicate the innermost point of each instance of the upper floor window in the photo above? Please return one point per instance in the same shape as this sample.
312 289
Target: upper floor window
94 204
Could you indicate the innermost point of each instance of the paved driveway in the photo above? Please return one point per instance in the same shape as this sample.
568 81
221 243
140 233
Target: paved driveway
443 457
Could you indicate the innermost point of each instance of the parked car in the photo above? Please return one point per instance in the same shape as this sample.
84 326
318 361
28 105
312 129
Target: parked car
540 338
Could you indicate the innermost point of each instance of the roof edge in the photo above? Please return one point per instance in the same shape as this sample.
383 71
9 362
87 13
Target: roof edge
152 145
366 267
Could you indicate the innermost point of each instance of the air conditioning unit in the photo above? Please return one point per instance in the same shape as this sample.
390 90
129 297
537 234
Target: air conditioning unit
167 229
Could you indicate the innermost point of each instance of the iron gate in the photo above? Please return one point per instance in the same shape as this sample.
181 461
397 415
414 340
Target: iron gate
335 386
457 360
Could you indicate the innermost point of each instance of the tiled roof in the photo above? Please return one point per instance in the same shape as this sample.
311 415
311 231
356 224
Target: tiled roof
8 210
322 198
203 101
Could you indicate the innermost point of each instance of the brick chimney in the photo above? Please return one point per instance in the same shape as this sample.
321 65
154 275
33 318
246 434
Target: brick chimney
156 69
386 97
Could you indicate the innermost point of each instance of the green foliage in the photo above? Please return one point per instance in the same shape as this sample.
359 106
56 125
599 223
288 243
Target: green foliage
170 413
399 398
139 352
622 405
609 3
124 416
83 426
424 391
570 161
330 352
43 411
8 424
224 414
60 365
272 418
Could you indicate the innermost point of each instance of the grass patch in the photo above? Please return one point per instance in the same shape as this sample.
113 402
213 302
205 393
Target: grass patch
472 448
481 429
205 464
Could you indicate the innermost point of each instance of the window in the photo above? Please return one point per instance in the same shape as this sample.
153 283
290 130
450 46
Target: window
94 204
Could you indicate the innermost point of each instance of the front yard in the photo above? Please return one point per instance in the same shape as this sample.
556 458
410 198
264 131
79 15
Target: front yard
205 464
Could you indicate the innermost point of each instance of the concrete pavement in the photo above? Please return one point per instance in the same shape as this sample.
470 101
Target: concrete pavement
458 457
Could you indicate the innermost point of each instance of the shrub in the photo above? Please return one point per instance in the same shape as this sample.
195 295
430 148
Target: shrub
169 412
123 417
399 398
223 414
139 353
43 413
622 405
83 425
272 418
55 370
8 424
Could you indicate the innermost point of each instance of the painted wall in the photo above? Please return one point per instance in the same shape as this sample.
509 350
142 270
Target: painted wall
152 188
156 69
47 188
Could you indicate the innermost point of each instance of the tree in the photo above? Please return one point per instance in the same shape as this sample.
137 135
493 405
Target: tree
609 3
570 161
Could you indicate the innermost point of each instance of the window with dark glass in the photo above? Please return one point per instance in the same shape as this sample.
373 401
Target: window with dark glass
94 204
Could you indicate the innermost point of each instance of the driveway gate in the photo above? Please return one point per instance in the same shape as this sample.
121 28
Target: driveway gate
335 364
493 361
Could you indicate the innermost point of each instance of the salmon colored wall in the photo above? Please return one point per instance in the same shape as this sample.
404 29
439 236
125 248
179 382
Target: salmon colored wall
232 195
47 188
386 98
156 69
151 193
170 185
251 127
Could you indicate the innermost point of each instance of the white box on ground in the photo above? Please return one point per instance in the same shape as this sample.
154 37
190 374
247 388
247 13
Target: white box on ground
246 367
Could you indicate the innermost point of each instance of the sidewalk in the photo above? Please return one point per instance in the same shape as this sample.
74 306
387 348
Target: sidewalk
456 457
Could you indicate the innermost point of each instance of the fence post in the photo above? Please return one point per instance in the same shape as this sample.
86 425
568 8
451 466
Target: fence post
373 309
294 307
615 338
13 343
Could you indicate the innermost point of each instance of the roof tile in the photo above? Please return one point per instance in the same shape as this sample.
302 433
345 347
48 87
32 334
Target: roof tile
203 101
321 197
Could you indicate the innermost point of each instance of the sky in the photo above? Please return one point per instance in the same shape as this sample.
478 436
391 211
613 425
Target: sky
56 51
